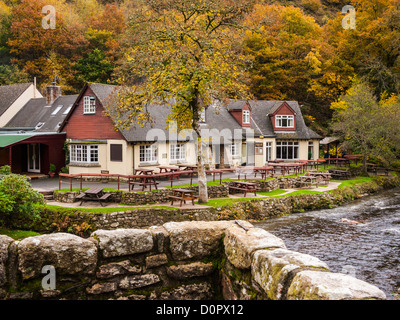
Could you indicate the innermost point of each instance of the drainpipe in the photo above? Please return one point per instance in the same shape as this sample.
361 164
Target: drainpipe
10 157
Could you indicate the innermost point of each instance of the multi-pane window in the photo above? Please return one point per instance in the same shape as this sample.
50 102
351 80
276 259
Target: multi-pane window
284 121
178 152
287 150
83 153
246 117
235 149
310 150
89 105
148 153
268 151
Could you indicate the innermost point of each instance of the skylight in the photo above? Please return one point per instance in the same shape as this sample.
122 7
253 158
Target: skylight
39 125
67 110
56 110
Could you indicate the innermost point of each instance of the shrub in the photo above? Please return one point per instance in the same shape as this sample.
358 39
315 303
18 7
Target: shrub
17 200
64 170
52 167
5 170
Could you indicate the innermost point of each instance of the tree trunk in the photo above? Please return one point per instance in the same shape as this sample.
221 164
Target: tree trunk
201 171
365 163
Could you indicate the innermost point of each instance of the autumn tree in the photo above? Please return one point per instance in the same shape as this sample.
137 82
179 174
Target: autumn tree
40 52
103 35
368 126
372 50
187 51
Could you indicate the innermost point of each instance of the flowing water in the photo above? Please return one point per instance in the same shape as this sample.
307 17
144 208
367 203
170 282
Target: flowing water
369 250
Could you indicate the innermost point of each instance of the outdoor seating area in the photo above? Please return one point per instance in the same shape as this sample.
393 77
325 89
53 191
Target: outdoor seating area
242 180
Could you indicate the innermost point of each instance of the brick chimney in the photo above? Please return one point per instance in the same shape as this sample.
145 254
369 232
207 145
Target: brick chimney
52 93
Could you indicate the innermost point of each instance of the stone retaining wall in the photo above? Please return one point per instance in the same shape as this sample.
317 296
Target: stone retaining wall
143 198
179 260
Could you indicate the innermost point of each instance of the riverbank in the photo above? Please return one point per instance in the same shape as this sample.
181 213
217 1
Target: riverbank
84 221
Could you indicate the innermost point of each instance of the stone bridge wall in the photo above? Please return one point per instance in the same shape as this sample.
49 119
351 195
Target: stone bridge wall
178 260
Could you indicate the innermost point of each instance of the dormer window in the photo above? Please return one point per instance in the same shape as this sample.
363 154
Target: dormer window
284 121
89 105
246 117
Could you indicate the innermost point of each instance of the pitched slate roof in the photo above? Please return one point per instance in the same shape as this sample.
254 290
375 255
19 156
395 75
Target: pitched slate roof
262 125
9 94
36 111
218 118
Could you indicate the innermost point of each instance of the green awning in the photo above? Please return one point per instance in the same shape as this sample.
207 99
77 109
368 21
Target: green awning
8 139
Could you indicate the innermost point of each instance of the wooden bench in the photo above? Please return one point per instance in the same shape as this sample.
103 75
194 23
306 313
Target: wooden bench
80 196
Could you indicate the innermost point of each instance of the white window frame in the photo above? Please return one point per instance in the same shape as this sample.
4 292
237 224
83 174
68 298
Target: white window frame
177 152
89 105
235 149
268 151
84 153
246 117
148 153
279 121
287 145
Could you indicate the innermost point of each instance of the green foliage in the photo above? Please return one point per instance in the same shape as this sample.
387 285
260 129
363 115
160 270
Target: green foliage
5 170
17 200
52 167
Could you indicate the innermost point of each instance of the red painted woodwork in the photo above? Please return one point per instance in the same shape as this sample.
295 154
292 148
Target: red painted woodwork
90 126
284 110
51 151
238 115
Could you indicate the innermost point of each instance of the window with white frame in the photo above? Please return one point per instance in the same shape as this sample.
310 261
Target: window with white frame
89 105
246 117
287 150
282 121
268 151
148 153
178 152
235 149
82 153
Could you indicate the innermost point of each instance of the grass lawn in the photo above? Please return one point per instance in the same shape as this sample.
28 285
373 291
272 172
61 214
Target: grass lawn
18 234
353 182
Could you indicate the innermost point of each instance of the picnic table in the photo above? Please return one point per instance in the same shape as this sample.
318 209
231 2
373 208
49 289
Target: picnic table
316 163
182 195
93 194
286 167
142 180
374 168
308 181
354 157
169 169
187 167
339 174
143 171
264 171
324 176
244 187
338 161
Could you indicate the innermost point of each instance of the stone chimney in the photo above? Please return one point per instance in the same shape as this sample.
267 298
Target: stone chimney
52 93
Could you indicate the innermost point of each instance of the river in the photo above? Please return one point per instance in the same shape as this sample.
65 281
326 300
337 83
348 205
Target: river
370 250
